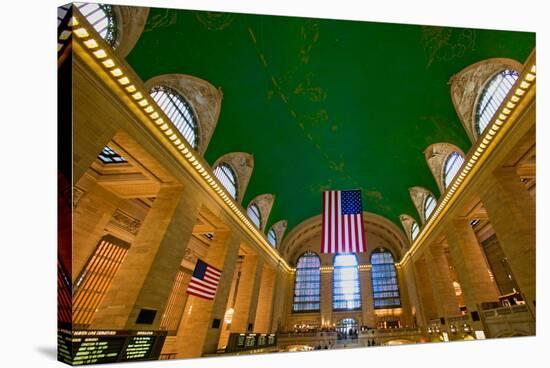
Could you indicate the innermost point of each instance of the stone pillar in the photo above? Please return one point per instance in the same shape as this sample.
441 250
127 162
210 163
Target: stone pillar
264 309
470 265
281 299
512 214
196 334
406 318
326 296
247 294
146 276
410 285
426 294
442 282
367 302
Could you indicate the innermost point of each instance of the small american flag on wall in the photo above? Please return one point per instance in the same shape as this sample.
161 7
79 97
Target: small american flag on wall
343 230
204 280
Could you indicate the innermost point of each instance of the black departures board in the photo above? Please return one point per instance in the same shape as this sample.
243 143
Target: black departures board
96 347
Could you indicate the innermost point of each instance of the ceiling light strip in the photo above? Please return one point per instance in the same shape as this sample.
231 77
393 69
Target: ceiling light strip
501 118
97 48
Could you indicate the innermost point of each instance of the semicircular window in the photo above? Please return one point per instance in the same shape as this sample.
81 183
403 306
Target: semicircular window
227 177
452 165
253 213
102 18
492 96
429 206
178 110
272 237
414 230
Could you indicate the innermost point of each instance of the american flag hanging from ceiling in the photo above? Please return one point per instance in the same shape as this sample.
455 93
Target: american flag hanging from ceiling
204 280
343 230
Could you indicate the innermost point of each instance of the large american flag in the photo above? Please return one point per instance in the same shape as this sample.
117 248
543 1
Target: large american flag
343 230
204 280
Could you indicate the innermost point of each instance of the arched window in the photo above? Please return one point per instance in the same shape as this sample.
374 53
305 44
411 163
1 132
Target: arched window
492 96
253 213
345 283
452 165
414 230
307 287
385 290
176 108
102 18
429 206
272 237
227 177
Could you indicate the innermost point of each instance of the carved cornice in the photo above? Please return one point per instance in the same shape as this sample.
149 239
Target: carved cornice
436 156
125 222
205 101
242 164
467 85
130 23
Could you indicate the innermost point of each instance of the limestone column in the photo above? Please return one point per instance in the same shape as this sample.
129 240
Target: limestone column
326 296
413 294
512 214
470 265
197 333
367 302
283 284
406 320
146 276
426 294
264 310
247 294
442 283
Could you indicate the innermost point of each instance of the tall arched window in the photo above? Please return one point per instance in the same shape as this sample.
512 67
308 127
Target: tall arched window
253 213
345 283
414 230
307 287
492 96
176 108
452 165
385 290
102 18
429 206
272 237
227 177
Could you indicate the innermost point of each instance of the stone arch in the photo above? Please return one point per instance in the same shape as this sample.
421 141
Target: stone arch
467 85
264 203
130 22
407 222
383 232
418 196
436 156
279 228
242 164
204 99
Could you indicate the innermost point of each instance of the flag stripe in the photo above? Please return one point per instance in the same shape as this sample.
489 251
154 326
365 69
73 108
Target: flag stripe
342 222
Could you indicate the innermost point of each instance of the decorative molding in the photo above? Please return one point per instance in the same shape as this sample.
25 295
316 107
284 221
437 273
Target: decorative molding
436 156
407 222
418 196
124 221
242 164
264 203
130 24
205 101
467 85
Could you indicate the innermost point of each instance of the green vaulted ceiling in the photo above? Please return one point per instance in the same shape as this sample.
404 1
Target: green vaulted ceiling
325 104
